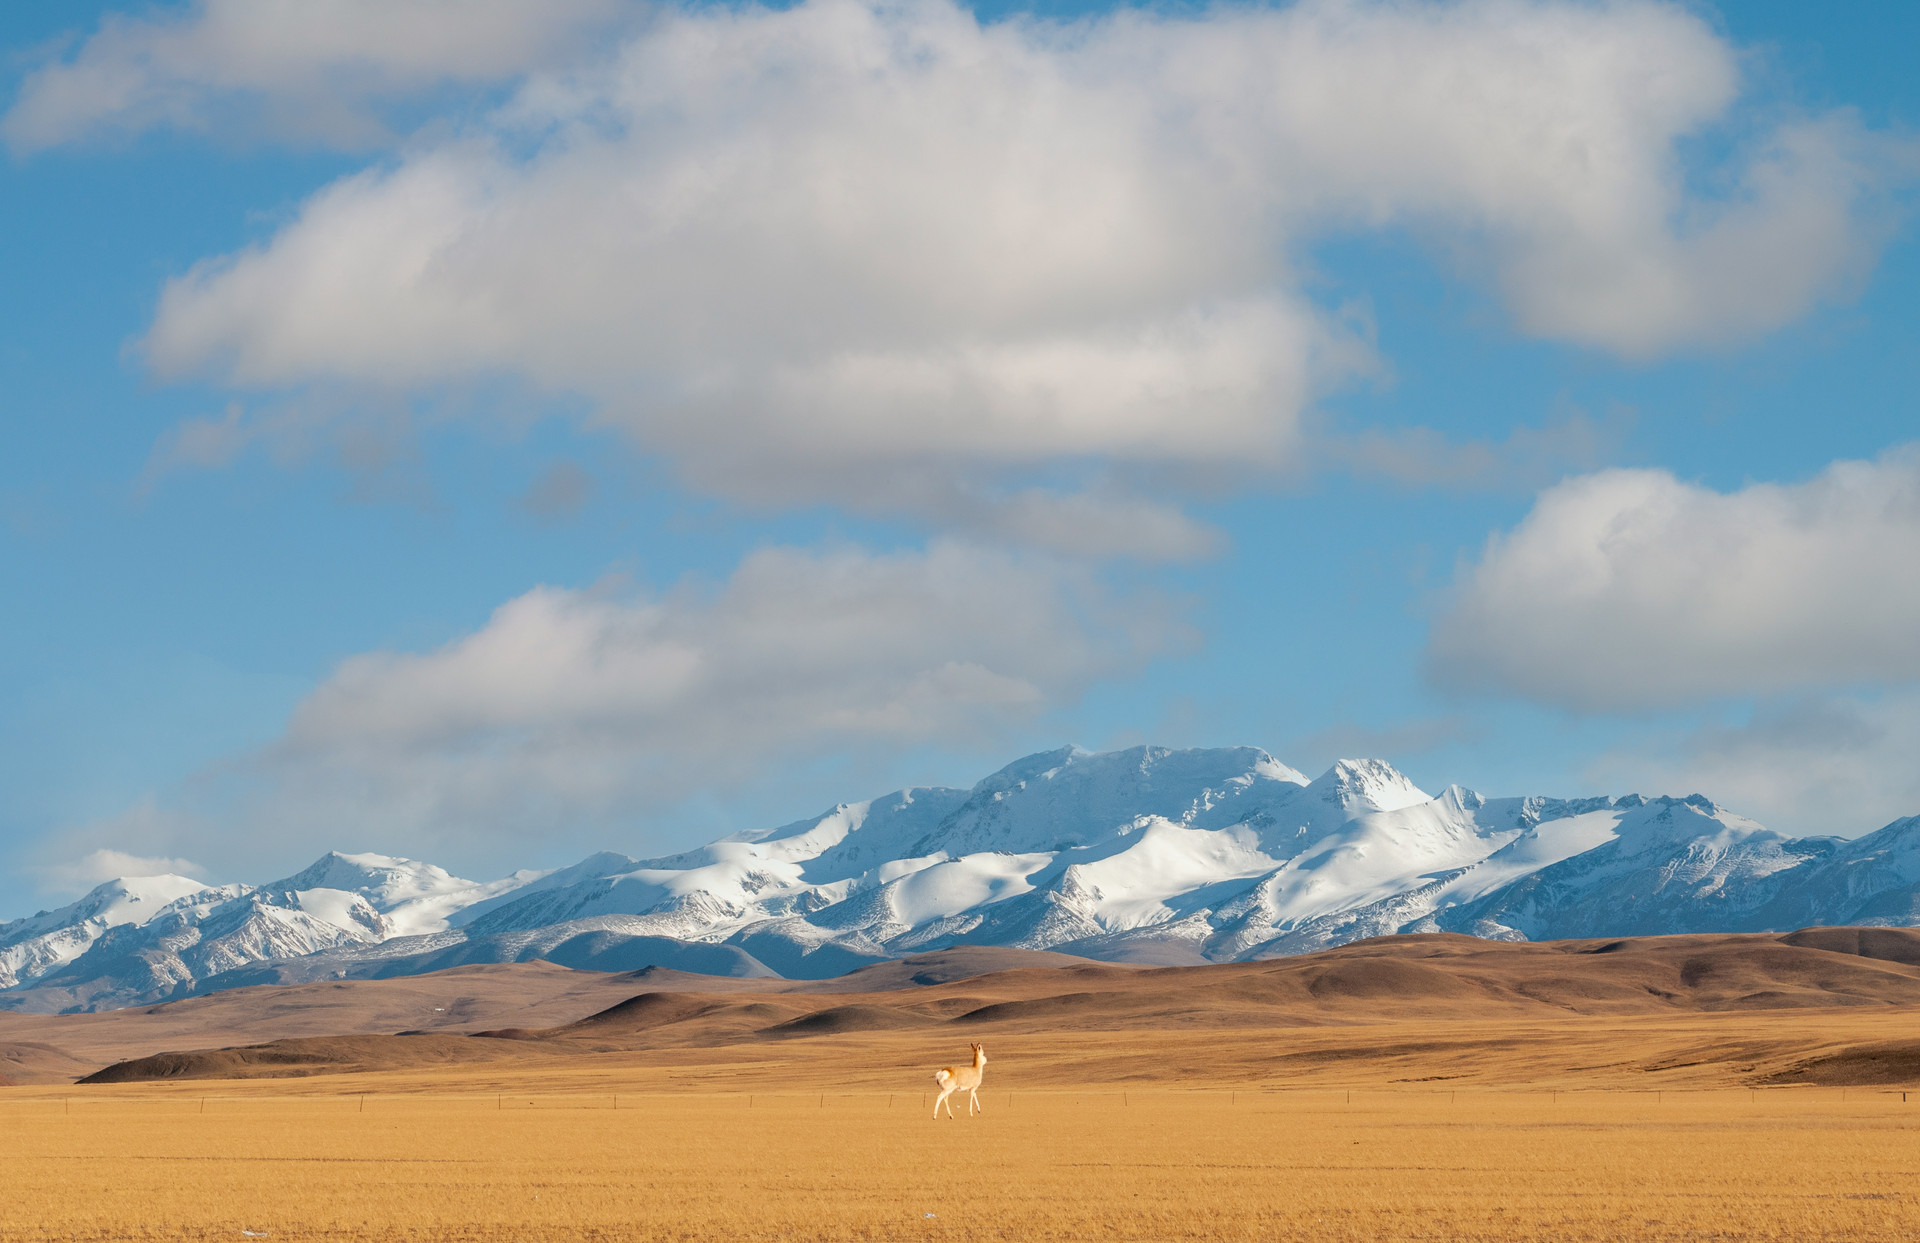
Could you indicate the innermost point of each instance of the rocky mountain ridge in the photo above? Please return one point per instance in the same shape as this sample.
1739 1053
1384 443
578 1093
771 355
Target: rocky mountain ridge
1147 854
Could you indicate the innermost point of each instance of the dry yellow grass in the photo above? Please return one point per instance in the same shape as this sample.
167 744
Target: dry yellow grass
1418 1089
815 1146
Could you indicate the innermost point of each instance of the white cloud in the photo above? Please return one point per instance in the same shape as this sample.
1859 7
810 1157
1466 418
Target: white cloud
1098 519
142 822
572 707
1098 524
1802 224
1525 460
1631 589
1837 765
131 842
810 251
310 70
103 865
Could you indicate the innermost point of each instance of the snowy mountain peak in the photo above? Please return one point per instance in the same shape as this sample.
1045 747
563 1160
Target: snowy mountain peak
43 943
1266 766
1039 766
384 880
123 900
410 897
1692 816
1361 786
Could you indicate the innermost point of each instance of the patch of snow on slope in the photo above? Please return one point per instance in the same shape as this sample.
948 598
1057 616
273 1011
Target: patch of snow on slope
1378 854
950 887
346 911
1130 888
1541 845
810 839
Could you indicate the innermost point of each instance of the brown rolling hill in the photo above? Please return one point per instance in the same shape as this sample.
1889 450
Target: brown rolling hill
49 1048
62 1048
1822 1005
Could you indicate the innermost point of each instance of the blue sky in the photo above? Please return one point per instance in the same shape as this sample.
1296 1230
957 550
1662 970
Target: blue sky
501 439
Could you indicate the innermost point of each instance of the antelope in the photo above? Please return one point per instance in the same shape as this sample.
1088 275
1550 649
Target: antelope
958 1078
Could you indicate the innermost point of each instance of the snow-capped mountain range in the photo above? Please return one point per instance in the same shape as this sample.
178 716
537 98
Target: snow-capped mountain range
1147 854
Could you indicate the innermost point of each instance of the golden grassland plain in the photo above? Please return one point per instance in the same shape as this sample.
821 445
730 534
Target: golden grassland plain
1757 1087
1579 1131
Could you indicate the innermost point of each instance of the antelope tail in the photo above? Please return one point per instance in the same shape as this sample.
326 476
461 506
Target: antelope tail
941 1077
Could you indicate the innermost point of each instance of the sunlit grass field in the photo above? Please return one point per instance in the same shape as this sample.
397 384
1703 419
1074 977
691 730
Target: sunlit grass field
444 1155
